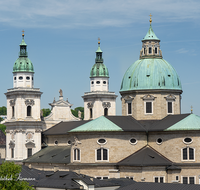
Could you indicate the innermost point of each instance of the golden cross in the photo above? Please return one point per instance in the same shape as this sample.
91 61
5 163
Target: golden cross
23 32
191 109
150 18
99 40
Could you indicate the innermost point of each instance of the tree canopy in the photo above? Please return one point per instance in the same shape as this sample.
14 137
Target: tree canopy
75 112
3 110
46 112
3 128
10 177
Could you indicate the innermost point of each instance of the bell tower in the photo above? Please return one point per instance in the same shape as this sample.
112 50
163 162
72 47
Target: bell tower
99 101
23 124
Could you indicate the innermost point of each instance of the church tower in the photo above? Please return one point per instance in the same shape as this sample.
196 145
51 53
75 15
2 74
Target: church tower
99 101
23 124
151 88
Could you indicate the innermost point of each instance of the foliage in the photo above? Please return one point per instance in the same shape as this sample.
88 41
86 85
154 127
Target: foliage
75 112
3 110
46 112
10 177
3 128
1 119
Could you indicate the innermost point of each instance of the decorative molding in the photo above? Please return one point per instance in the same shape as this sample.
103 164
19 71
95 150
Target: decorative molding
128 98
29 102
38 130
29 136
11 144
90 104
12 102
170 97
30 144
148 97
106 104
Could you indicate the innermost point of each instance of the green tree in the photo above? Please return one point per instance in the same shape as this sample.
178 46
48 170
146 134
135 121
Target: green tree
3 110
9 174
75 112
46 112
3 128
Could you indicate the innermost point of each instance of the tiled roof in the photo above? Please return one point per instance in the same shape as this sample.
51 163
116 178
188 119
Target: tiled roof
99 124
191 122
60 179
146 156
51 154
159 186
63 127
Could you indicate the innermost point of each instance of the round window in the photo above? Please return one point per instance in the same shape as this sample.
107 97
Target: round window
56 142
32 78
104 82
69 142
98 82
92 82
14 78
102 141
159 141
27 78
20 78
133 141
187 140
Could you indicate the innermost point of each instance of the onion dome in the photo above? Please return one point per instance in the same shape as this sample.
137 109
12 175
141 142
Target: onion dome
151 71
23 63
99 69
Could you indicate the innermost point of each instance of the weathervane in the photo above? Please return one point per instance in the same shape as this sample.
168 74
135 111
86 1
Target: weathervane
150 18
99 40
191 109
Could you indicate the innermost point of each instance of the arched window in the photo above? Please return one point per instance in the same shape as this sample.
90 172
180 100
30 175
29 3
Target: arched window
76 154
105 111
102 154
150 50
28 110
188 153
156 50
13 111
91 113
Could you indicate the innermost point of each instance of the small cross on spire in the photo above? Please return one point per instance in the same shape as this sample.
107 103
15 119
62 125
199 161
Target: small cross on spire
99 40
150 18
23 33
191 109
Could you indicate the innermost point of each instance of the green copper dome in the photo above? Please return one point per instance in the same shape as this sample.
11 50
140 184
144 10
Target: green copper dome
150 35
147 74
151 71
99 69
23 63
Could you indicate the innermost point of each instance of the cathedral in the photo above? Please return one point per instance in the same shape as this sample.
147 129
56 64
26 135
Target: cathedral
150 142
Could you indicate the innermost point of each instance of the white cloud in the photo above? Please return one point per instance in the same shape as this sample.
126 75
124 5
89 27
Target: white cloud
79 13
182 50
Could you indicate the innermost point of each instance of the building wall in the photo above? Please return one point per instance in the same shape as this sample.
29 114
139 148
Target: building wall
159 105
97 107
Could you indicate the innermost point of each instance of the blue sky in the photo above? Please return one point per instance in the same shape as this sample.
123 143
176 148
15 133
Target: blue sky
62 40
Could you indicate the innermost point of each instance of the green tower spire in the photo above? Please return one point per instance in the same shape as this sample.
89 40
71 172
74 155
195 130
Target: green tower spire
99 69
23 63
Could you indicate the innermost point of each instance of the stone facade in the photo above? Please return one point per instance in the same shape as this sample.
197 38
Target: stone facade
97 102
119 147
159 101
60 111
